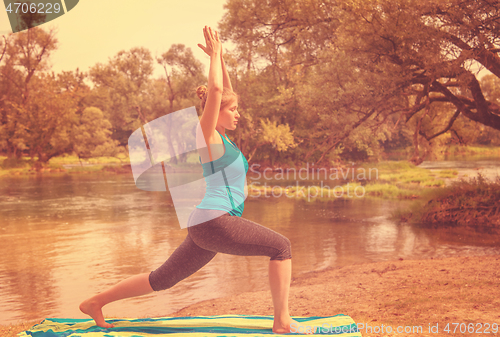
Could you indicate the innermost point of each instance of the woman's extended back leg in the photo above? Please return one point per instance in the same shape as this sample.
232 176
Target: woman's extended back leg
184 261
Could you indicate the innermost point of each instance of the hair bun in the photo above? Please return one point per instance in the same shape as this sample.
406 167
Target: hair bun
201 91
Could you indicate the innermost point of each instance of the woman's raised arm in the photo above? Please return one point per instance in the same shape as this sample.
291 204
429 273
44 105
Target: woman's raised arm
225 74
208 120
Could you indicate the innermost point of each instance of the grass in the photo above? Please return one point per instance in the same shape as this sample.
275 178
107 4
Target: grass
452 151
71 164
23 166
14 166
466 202
402 174
471 149
450 173
471 203
72 159
388 191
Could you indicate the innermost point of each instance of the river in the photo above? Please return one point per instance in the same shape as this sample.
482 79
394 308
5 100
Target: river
66 237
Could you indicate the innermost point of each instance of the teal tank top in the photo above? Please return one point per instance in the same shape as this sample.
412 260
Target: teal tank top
225 178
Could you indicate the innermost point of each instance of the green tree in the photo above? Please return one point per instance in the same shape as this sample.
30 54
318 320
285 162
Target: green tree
25 54
266 97
91 135
45 120
183 72
130 98
278 137
43 114
120 90
374 64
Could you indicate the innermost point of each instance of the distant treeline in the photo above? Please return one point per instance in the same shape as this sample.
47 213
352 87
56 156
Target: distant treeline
318 82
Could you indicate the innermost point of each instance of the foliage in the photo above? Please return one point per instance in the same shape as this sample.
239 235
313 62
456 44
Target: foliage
24 55
472 203
403 70
91 135
42 114
121 90
318 81
278 135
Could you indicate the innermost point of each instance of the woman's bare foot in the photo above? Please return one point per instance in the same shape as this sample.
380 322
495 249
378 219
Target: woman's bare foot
93 309
290 325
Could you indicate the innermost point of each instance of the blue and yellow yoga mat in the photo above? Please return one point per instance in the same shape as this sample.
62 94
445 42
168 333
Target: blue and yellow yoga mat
221 325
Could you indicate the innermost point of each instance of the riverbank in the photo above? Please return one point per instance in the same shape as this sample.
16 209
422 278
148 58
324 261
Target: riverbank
387 179
121 163
394 293
468 204
401 293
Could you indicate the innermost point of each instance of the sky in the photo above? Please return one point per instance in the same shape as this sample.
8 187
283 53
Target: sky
96 30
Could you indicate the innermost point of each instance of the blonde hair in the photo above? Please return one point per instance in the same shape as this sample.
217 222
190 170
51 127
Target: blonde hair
227 96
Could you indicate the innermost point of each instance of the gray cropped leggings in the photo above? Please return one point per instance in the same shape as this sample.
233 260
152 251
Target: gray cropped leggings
225 234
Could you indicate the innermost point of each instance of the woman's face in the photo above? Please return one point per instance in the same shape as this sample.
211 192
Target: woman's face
228 116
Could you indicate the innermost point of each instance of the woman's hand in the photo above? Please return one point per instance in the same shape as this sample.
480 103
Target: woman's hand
213 44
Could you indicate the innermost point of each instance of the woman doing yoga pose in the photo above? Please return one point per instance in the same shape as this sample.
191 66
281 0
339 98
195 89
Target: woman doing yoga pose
225 231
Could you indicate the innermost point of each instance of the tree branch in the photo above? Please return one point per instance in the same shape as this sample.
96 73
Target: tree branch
482 116
450 124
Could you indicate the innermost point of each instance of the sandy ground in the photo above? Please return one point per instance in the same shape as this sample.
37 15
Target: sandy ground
383 296
402 293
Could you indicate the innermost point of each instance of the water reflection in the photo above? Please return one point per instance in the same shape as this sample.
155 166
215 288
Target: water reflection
70 236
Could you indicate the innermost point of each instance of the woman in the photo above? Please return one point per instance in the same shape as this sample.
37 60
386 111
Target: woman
209 232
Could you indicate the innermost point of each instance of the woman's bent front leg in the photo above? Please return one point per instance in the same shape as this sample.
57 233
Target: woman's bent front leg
279 279
280 276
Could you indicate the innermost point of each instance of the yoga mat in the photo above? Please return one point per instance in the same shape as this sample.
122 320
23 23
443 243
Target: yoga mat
210 326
